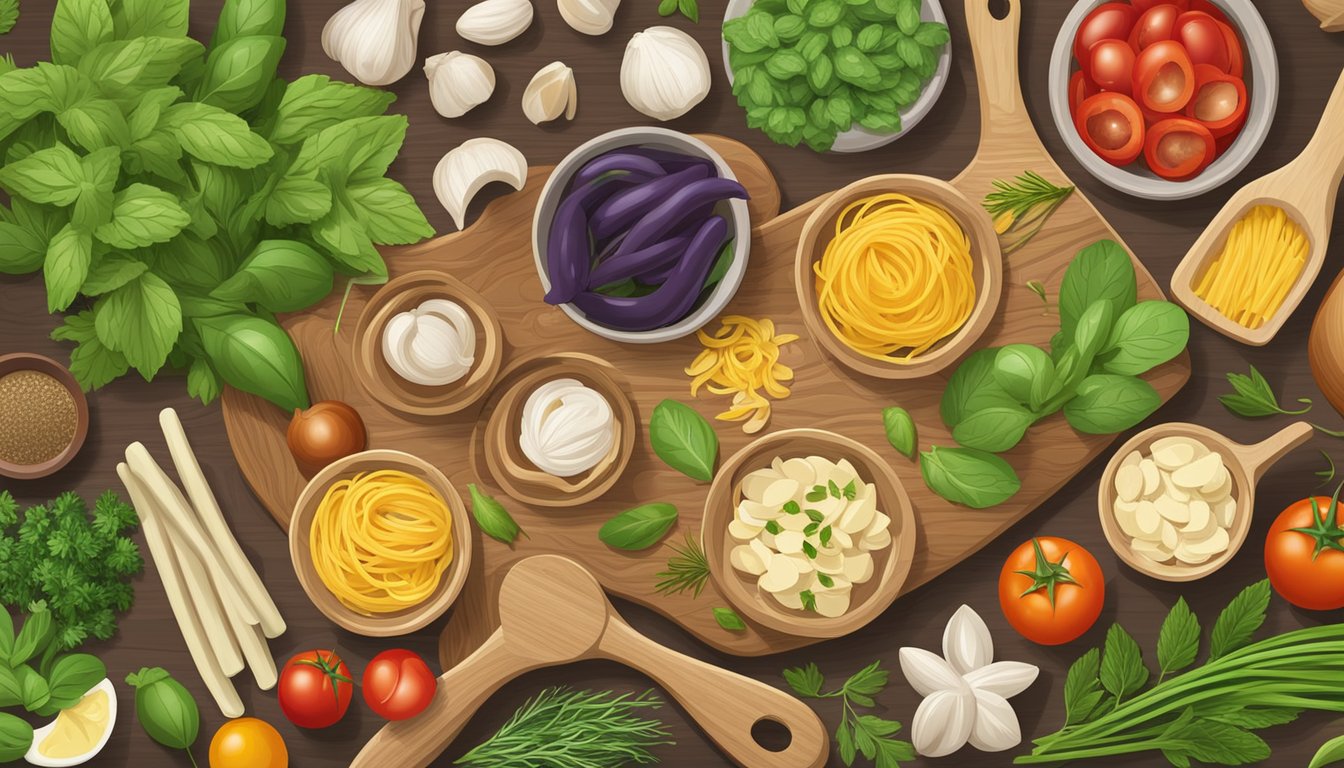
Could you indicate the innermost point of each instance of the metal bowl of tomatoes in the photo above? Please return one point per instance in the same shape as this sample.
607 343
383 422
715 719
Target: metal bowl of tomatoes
1164 99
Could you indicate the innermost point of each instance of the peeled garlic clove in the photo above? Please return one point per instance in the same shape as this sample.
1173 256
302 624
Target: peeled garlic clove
551 93
943 722
375 39
927 672
967 645
665 73
591 17
465 170
995 728
458 82
495 22
1005 678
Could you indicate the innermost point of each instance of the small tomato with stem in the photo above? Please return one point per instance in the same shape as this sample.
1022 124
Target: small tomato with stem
1051 590
315 689
1304 554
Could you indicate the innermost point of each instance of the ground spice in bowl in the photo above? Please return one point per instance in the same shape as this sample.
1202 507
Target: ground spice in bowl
38 417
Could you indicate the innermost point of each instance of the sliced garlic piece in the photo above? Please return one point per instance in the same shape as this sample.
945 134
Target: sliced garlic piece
832 603
1152 479
465 170
664 73
551 93
967 644
495 22
742 531
780 576
1129 482
755 483
996 727
458 82
1005 678
744 558
801 472
779 493
374 39
789 542
943 722
591 17
927 671
1199 472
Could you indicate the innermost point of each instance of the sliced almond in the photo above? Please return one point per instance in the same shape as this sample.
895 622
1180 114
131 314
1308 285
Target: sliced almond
1188 556
1129 483
1127 518
780 492
780 576
1225 511
1152 550
801 472
1152 479
742 531
793 522
1132 459
1168 536
1173 455
1172 510
858 515
876 540
1201 522
1174 491
755 483
789 542
1215 544
1201 471
744 558
858 568
1219 487
1149 522
832 603
756 513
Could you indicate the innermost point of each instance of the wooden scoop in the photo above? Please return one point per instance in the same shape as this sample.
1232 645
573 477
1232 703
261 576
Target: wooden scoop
1246 463
1305 189
552 611
1330 12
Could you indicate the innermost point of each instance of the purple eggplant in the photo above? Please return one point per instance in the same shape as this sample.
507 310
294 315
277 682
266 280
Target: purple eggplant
673 210
568 249
672 300
673 161
619 161
624 208
654 257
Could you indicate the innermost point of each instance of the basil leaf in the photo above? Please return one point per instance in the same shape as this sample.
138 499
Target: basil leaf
684 440
110 272
164 708
388 212
1122 669
1102 270
16 738
33 638
729 620
33 689
143 215
638 528
967 476
21 250
141 18
995 429
907 16
491 516
239 18
1020 369
91 362
142 320
972 387
1147 335
238 72
73 674
52 176
6 639
901 432
77 27
667 7
1178 641
66 266
279 275
932 34
315 102
1082 689
1106 404
1239 620
11 695
209 133
202 381
256 356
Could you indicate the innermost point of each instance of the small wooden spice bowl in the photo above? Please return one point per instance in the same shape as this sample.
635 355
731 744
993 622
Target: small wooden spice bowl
386 624
404 294
518 476
1245 463
891 565
987 272
25 361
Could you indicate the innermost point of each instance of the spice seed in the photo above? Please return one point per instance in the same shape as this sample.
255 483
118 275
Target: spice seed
37 418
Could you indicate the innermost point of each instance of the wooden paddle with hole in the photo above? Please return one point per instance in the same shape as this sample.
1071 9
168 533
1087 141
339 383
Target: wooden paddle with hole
552 611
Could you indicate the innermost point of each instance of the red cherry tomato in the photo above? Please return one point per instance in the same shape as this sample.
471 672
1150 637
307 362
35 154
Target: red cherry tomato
1301 558
1207 7
1144 5
1110 65
315 689
1203 40
1219 101
1223 143
1051 590
1108 20
1155 25
1112 126
1178 148
1080 88
1236 54
1164 78
398 684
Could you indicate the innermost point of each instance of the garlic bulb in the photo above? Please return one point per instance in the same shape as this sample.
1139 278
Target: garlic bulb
375 39
551 93
495 22
591 17
464 171
432 345
665 73
458 82
567 428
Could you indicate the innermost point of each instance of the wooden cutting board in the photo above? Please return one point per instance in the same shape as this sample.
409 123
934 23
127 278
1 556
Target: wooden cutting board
494 256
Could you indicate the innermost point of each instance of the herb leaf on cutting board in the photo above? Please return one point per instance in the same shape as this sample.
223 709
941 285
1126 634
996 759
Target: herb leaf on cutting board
687 570
1020 209
728 619
901 431
494 520
638 528
684 440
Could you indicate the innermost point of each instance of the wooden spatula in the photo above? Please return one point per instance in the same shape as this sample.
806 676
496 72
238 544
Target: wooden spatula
552 611
1305 189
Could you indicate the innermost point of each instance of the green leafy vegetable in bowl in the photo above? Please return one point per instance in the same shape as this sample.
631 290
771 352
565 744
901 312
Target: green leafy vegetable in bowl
809 70
187 194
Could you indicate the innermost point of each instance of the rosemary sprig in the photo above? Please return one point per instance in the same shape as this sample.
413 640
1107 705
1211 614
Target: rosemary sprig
688 569
1020 208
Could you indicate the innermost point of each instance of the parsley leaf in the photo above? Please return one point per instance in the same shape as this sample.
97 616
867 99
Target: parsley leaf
865 734
1122 669
9 15
805 681
1178 641
1239 620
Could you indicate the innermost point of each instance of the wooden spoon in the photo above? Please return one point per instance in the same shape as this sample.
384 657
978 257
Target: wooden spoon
1246 463
1330 12
1305 189
552 611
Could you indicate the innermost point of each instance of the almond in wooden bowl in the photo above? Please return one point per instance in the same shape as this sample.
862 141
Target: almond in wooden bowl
391 388
317 562
588 378
906 283
771 510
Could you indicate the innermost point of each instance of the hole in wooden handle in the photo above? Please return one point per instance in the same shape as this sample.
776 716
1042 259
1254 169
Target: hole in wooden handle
1000 9
771 735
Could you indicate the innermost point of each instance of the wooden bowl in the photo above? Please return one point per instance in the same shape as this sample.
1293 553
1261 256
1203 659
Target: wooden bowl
385 624
890 565
25 361
406 293
988 272
1246 463
512 470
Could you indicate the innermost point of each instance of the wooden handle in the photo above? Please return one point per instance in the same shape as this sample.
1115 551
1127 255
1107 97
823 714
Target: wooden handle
994 44
1324 154
416 742
726 705
1260 457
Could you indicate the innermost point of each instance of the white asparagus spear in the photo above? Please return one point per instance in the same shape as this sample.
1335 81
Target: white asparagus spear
207 665
208 608
209 514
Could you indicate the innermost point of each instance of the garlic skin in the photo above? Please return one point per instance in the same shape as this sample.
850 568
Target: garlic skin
551 93
591 17
495 22
567 428
458 82
433 345
375 39
465 170
665 73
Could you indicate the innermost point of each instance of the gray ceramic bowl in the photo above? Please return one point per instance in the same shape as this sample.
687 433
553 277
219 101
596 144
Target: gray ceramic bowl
1262 89
862 139
735 211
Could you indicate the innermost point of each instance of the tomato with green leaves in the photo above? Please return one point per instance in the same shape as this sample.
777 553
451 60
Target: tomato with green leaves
1051 590
1304 554
315 689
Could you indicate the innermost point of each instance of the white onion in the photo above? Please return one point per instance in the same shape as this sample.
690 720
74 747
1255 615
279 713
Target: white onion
567 428
432 345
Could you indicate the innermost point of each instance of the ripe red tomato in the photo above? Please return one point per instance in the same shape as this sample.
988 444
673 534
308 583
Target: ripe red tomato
1236 54
1203 40
1303 554
1178 148
1080 88
1112 126
1144 5
398 684
1219 101
1155 25
1110 64
1106 21
1164 77
1051 590
1205 6
315 689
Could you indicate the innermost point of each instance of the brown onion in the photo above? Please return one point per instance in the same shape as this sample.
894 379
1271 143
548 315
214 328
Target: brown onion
323 433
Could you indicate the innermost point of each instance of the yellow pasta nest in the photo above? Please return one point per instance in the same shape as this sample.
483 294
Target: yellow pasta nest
381 541
742 359
1264 255
897 278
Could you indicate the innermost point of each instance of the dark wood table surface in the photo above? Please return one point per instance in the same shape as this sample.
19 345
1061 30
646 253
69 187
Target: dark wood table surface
1310 60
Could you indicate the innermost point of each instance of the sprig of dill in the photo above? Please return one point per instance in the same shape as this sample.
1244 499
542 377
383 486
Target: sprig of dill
1021 207
565 728
687 570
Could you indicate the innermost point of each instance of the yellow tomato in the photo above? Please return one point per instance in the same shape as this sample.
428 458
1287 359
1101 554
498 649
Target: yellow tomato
248 743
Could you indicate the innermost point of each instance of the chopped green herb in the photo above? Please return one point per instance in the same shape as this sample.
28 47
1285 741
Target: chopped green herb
809 600
826 534
687 570
791 507
1254 397
900 428
772 527
729 620
869 735
825 580
494 520
1020 210
818 493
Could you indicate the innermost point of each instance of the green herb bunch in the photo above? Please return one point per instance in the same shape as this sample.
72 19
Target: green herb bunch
808 70
1206 714
76 564
175 195
867 735
1106 341
9 15
34 673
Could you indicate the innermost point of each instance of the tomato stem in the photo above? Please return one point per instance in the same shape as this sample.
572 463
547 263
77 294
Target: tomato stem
1047 575
1324 530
